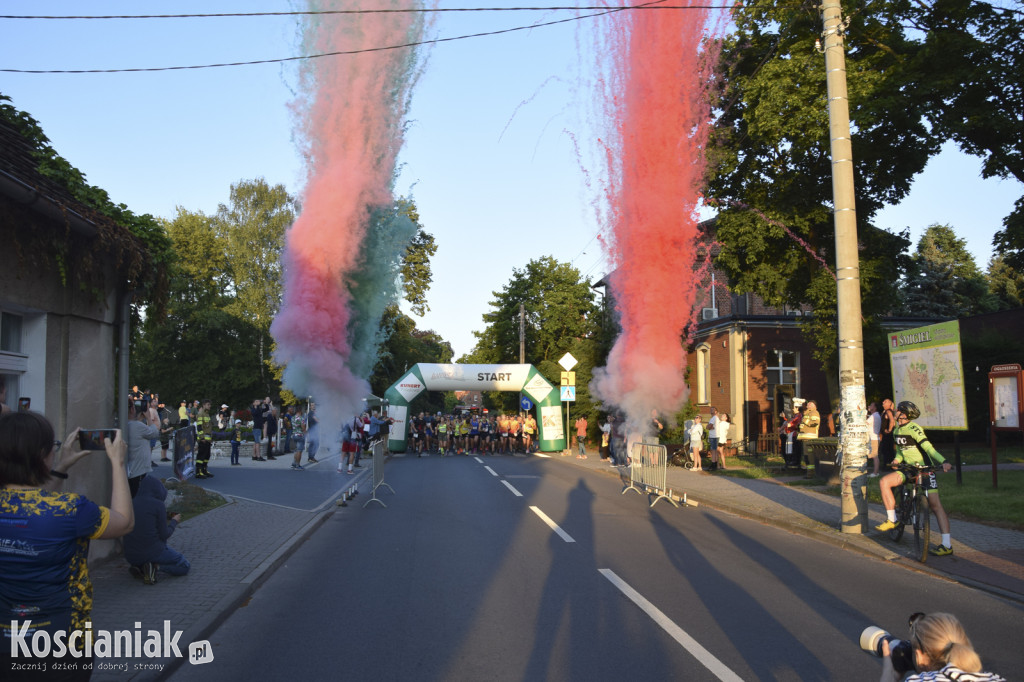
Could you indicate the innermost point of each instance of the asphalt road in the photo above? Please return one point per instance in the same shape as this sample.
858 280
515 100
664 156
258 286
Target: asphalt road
526 569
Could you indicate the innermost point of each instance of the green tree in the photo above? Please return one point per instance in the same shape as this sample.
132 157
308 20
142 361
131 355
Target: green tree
560 316
252 229
1005 283
404 347
416 271
1009 241
771 158
197 349
944 280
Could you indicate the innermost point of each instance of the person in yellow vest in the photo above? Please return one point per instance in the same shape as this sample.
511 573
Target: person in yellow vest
204 436
809 429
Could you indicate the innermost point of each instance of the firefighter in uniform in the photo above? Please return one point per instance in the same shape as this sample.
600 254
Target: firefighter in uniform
204 436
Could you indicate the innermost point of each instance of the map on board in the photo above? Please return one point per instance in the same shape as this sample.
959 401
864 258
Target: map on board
927 370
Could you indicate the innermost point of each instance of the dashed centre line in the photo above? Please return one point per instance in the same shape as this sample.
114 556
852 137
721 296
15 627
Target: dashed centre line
512 488
717 668
552 525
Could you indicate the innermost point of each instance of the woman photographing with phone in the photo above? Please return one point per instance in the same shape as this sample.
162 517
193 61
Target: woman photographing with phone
44 536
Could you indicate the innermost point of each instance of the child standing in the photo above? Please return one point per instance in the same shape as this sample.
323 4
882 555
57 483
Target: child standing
236 442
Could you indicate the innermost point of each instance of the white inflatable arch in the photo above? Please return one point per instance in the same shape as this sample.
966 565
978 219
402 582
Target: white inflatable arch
519 378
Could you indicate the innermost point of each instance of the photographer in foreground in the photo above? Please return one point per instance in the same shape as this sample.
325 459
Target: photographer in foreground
44 576
942 652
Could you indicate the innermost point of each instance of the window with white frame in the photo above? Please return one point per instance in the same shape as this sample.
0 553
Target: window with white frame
782 368
703 374
12 363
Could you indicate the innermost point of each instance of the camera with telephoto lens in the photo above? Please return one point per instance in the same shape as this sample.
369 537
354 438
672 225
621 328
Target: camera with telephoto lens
900 651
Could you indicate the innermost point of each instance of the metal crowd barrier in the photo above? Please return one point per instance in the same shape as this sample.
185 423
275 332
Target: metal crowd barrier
648 472
377 447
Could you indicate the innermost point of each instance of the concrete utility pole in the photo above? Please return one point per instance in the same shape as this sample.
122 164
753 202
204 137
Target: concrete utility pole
852 405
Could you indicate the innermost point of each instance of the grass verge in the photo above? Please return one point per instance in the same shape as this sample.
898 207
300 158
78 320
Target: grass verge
973 500
192 500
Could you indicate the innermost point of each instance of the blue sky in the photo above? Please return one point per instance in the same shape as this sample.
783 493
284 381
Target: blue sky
489 157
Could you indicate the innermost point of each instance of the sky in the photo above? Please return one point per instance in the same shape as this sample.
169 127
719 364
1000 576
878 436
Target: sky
495 154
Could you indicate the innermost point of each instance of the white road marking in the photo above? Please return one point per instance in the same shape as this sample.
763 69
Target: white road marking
493 472
717 668
478 460
541 454
510 487
552 525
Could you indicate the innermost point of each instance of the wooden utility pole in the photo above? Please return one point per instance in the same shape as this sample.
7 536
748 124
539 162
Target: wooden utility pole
852 401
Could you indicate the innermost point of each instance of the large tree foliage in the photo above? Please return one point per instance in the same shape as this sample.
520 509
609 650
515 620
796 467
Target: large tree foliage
199 349
560 317
771 156
908 66
251 230
1005 283
416 272
407 346
972 64
943 280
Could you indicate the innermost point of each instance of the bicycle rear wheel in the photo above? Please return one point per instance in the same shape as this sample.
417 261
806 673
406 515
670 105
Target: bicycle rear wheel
922 527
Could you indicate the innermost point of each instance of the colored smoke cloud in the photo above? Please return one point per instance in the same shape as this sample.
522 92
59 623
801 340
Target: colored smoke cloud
657 118
344 250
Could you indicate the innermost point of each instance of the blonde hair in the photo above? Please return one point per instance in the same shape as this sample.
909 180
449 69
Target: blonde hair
943 639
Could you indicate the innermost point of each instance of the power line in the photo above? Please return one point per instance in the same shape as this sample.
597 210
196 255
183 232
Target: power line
337 53
422 10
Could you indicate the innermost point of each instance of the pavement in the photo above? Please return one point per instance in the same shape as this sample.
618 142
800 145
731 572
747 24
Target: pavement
236 547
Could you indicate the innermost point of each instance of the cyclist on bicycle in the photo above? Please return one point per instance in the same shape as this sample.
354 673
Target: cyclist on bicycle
914 449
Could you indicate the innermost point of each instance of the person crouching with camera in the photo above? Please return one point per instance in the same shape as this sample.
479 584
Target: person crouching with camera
941 651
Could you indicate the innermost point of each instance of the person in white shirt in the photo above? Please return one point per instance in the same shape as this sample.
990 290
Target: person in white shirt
722 435
874 433
696 442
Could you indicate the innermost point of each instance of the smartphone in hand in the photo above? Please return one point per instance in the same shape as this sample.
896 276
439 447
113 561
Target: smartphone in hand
92 439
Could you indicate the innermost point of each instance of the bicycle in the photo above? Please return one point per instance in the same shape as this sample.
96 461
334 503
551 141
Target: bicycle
913 508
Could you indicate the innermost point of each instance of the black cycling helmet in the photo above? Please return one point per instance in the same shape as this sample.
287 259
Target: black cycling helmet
908 408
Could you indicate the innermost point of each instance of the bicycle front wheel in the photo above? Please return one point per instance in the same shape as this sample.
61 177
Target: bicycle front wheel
922 527
902 516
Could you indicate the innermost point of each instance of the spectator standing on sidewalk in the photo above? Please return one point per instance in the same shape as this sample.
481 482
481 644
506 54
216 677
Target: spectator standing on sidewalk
257 429
696 443
713 434
236 442
722 438
270 426
204 439
312 433
886 442
581 437
606 440
657 426
138 433
874 431
288 426
809 424
166 431
619 451
145 548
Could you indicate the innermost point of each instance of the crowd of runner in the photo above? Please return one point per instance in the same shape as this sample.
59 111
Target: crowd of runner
472 434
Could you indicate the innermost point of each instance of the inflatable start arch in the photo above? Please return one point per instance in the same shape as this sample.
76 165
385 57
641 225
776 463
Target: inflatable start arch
431 377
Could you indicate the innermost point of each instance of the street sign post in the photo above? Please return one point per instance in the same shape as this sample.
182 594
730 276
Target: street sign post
568 381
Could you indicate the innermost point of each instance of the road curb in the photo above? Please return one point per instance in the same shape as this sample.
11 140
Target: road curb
238 595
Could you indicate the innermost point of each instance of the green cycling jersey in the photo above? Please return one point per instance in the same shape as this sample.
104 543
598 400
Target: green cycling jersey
914 448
